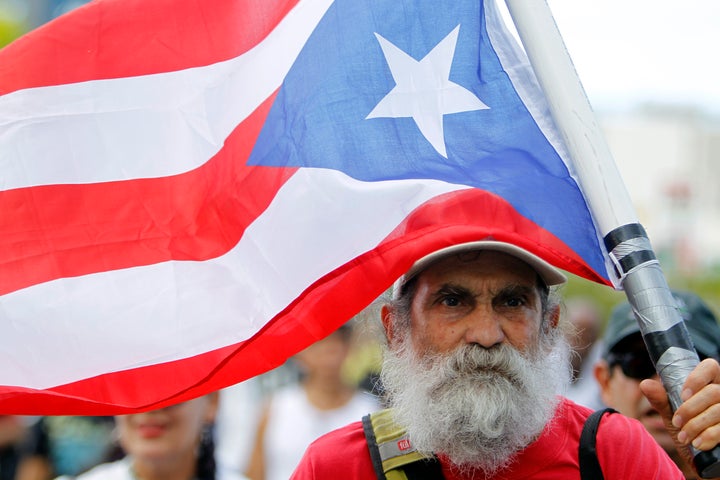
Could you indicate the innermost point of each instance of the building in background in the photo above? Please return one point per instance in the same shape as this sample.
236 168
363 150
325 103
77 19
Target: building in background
668 157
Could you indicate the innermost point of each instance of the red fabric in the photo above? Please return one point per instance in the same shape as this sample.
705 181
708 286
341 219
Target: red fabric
625 450
102 40
182 217
126 391
342 453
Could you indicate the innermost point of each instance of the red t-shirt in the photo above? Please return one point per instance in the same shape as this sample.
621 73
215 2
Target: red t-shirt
625 450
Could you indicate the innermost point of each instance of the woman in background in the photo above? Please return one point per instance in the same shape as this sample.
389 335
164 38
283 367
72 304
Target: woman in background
172 443
297 414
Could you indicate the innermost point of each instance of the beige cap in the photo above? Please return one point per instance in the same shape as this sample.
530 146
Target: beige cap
550 275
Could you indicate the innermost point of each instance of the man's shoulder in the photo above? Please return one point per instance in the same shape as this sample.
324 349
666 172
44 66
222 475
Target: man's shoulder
351 435
570 415
342 453
625 446
611 424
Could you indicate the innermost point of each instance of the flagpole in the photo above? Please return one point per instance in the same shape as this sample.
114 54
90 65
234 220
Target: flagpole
662 327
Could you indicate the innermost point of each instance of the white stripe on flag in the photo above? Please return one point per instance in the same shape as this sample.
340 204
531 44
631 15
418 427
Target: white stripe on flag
143 127
198 304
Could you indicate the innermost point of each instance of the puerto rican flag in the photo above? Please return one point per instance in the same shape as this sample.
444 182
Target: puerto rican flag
193 191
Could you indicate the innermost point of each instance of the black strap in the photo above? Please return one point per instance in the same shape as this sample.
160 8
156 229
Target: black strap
373 447
428 469
587 453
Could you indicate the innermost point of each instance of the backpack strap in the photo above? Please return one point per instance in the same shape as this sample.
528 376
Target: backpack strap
393 456
373 447
587 453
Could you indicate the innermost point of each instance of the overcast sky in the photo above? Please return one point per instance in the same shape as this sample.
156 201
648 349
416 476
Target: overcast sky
635 50
629 51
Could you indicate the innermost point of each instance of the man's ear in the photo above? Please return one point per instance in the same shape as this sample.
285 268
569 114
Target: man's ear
554 316
601 371
386 314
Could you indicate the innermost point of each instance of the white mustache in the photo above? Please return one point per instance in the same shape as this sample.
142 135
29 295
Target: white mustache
476 361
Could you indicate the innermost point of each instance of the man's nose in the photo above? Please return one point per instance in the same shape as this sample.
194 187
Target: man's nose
484 328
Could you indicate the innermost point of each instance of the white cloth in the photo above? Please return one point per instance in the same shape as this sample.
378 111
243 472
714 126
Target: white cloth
236 423
120 470
293 423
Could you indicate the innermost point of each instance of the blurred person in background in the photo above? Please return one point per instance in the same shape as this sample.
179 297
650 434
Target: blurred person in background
585 321
65 445
299 413
13 429
241 406
625 363
171 443
236 422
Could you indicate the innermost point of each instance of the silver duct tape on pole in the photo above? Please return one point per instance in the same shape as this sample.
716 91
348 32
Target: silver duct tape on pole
661 324
663 329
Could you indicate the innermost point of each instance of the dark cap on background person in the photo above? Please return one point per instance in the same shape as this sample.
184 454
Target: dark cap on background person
700 322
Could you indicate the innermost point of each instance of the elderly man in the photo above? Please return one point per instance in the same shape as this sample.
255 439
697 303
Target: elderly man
626 363
474 363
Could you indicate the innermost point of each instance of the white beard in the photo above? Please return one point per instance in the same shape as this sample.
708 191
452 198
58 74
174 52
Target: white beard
477 406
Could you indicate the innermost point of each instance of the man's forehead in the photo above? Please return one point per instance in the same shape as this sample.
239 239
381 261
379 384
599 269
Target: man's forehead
544 271
482 263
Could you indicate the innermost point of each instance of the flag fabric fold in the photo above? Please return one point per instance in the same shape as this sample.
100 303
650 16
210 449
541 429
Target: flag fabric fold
192 192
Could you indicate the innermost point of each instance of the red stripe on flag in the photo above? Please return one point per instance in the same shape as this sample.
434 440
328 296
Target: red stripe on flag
58 231
124 38
465 216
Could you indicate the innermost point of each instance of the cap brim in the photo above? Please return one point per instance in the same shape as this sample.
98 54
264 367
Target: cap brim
549 274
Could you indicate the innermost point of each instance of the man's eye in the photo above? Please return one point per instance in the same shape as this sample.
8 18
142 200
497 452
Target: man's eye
450 301
515 302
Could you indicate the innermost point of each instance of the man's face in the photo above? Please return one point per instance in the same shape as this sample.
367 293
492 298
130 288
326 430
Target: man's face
472 374
621 390
485 298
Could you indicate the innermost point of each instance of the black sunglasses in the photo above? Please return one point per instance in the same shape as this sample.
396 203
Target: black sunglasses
635 365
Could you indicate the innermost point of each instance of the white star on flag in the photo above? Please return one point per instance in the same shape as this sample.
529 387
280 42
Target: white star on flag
423 90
